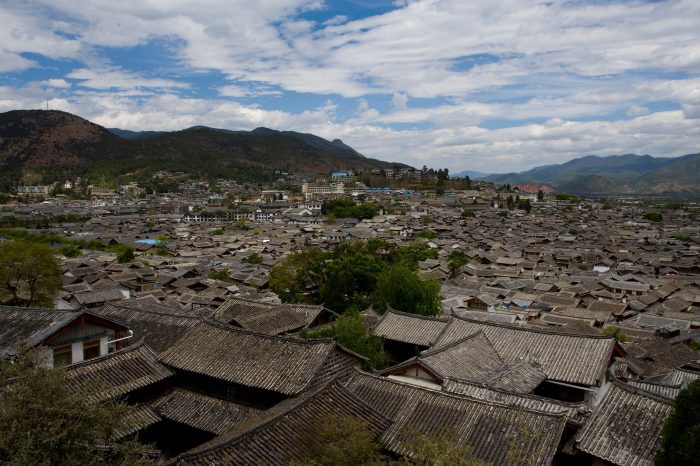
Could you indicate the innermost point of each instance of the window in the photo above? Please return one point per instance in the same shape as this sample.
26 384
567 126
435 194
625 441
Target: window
91 349
62 356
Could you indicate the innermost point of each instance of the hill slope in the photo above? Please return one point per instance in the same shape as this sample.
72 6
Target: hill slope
627 173
54 144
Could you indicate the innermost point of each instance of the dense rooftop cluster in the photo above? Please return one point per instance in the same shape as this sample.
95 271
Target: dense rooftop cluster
562 329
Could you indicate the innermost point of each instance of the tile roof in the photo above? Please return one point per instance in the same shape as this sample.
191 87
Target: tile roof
136 419
203 412
575 412
158 329
284 433
472 358
571 358
280 364
494 431
272 319
625 427
29 324
409 328
117 374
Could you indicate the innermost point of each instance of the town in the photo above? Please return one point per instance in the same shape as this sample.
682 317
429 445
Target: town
237 320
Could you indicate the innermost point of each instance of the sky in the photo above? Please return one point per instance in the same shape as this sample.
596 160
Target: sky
487 85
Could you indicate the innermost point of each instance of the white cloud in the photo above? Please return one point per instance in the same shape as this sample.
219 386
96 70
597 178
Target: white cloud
637 110
114 78
568 64
57 83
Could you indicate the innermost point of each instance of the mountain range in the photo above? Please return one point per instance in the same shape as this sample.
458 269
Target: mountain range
52 145
616 174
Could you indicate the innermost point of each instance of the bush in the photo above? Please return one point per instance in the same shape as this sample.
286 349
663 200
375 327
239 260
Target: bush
254 258
466 213
71 251
680 437
427 234
654 217
221 275
617 333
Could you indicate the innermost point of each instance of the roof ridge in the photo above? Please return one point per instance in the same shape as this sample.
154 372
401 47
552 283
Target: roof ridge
131 348
570 404
532 329
639 391
457 395
215 323
435 350
417 316
303 400
147 311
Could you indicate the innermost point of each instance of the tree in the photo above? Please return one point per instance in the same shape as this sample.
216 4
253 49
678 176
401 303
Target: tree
125 254
298 276
351 331
29 273
347 440
42 422
654 217
456 260
255 258
466 213
680 437
540 195
403 290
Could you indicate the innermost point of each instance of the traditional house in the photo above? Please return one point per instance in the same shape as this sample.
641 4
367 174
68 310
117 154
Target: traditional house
65 337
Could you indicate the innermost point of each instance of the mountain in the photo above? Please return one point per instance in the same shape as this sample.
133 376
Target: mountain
627 173
472 174
133 135
53 145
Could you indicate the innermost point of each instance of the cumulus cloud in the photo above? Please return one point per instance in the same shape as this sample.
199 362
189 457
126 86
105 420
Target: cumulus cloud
490 85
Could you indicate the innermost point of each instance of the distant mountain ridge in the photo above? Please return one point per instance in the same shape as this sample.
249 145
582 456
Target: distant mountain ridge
472 174
615 174
54 145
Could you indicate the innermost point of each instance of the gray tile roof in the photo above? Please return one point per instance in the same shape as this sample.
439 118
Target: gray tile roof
119 373
575 412
284 433
279 364
409 328
625 427
577 359
271 319
202 412
492 430
160 330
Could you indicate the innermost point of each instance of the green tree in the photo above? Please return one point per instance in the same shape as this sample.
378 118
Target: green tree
297 278
540 195
456 260
343 440
42 422
653 217
680 437
466 213
29 273
403 290
351 277
348 441
254 258
351 331
125 254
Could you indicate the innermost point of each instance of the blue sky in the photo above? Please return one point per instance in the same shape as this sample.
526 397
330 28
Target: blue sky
479 85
